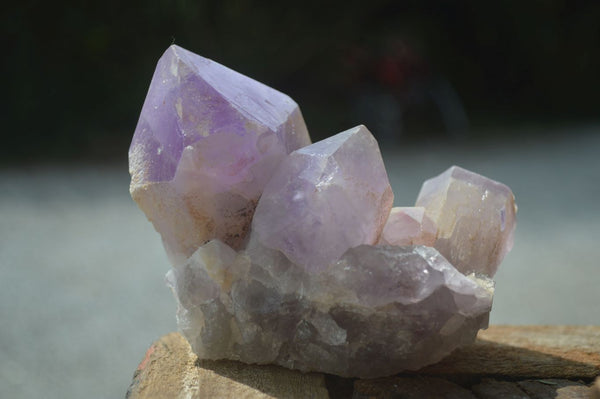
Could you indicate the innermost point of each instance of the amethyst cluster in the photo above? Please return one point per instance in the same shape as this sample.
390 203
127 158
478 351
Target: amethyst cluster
292 253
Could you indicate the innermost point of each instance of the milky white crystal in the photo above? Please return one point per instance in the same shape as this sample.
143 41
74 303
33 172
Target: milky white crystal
475 218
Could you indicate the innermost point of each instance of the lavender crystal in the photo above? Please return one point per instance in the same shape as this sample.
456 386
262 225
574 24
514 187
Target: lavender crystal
290 253
305 209
207 142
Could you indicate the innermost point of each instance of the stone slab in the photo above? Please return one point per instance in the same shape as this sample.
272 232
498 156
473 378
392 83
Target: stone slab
505 361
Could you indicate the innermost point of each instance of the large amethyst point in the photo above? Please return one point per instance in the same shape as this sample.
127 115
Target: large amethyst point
207 141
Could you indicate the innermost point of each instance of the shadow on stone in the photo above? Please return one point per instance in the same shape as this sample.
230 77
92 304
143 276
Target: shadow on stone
522 361
274 381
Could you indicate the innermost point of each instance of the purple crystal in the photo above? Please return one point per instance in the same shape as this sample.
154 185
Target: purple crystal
475 219
325 198
207 141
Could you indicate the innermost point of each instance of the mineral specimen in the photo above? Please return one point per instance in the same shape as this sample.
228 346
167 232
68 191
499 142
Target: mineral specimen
376 311
475 219
329 276
207 141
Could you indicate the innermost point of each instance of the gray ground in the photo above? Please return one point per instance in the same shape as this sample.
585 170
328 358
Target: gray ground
81 270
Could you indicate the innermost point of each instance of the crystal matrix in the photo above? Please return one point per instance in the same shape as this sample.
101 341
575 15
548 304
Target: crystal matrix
290 253
376 311
324 199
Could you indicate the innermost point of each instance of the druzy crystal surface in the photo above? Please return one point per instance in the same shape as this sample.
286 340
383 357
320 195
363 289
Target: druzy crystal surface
290 253
207 142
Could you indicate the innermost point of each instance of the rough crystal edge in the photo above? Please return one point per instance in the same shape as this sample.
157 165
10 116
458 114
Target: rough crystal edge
193 319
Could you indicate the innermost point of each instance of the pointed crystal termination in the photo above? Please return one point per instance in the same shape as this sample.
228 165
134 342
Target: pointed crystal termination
325 198
408 226
376 311
475 218
207 142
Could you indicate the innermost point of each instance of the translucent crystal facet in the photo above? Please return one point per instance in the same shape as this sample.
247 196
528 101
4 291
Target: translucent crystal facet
325 198
475 219
207 142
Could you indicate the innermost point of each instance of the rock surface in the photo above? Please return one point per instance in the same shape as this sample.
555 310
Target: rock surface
410 388
170 369
595 394
569 352
408 226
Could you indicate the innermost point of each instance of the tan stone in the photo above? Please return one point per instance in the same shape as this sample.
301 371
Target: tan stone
506 361
171 370
569 352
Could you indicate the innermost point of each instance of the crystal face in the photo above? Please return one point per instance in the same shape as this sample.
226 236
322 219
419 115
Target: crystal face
290 253
408 226
475 218
207 141
305 209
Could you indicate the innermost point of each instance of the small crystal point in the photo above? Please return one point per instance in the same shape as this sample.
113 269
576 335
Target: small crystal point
475 219
329 278
375 312
207 141
325 198
408 226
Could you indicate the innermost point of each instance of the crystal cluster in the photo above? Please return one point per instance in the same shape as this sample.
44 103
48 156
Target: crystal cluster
290 253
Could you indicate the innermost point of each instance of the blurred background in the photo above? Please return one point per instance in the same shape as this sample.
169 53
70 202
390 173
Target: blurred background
508 89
